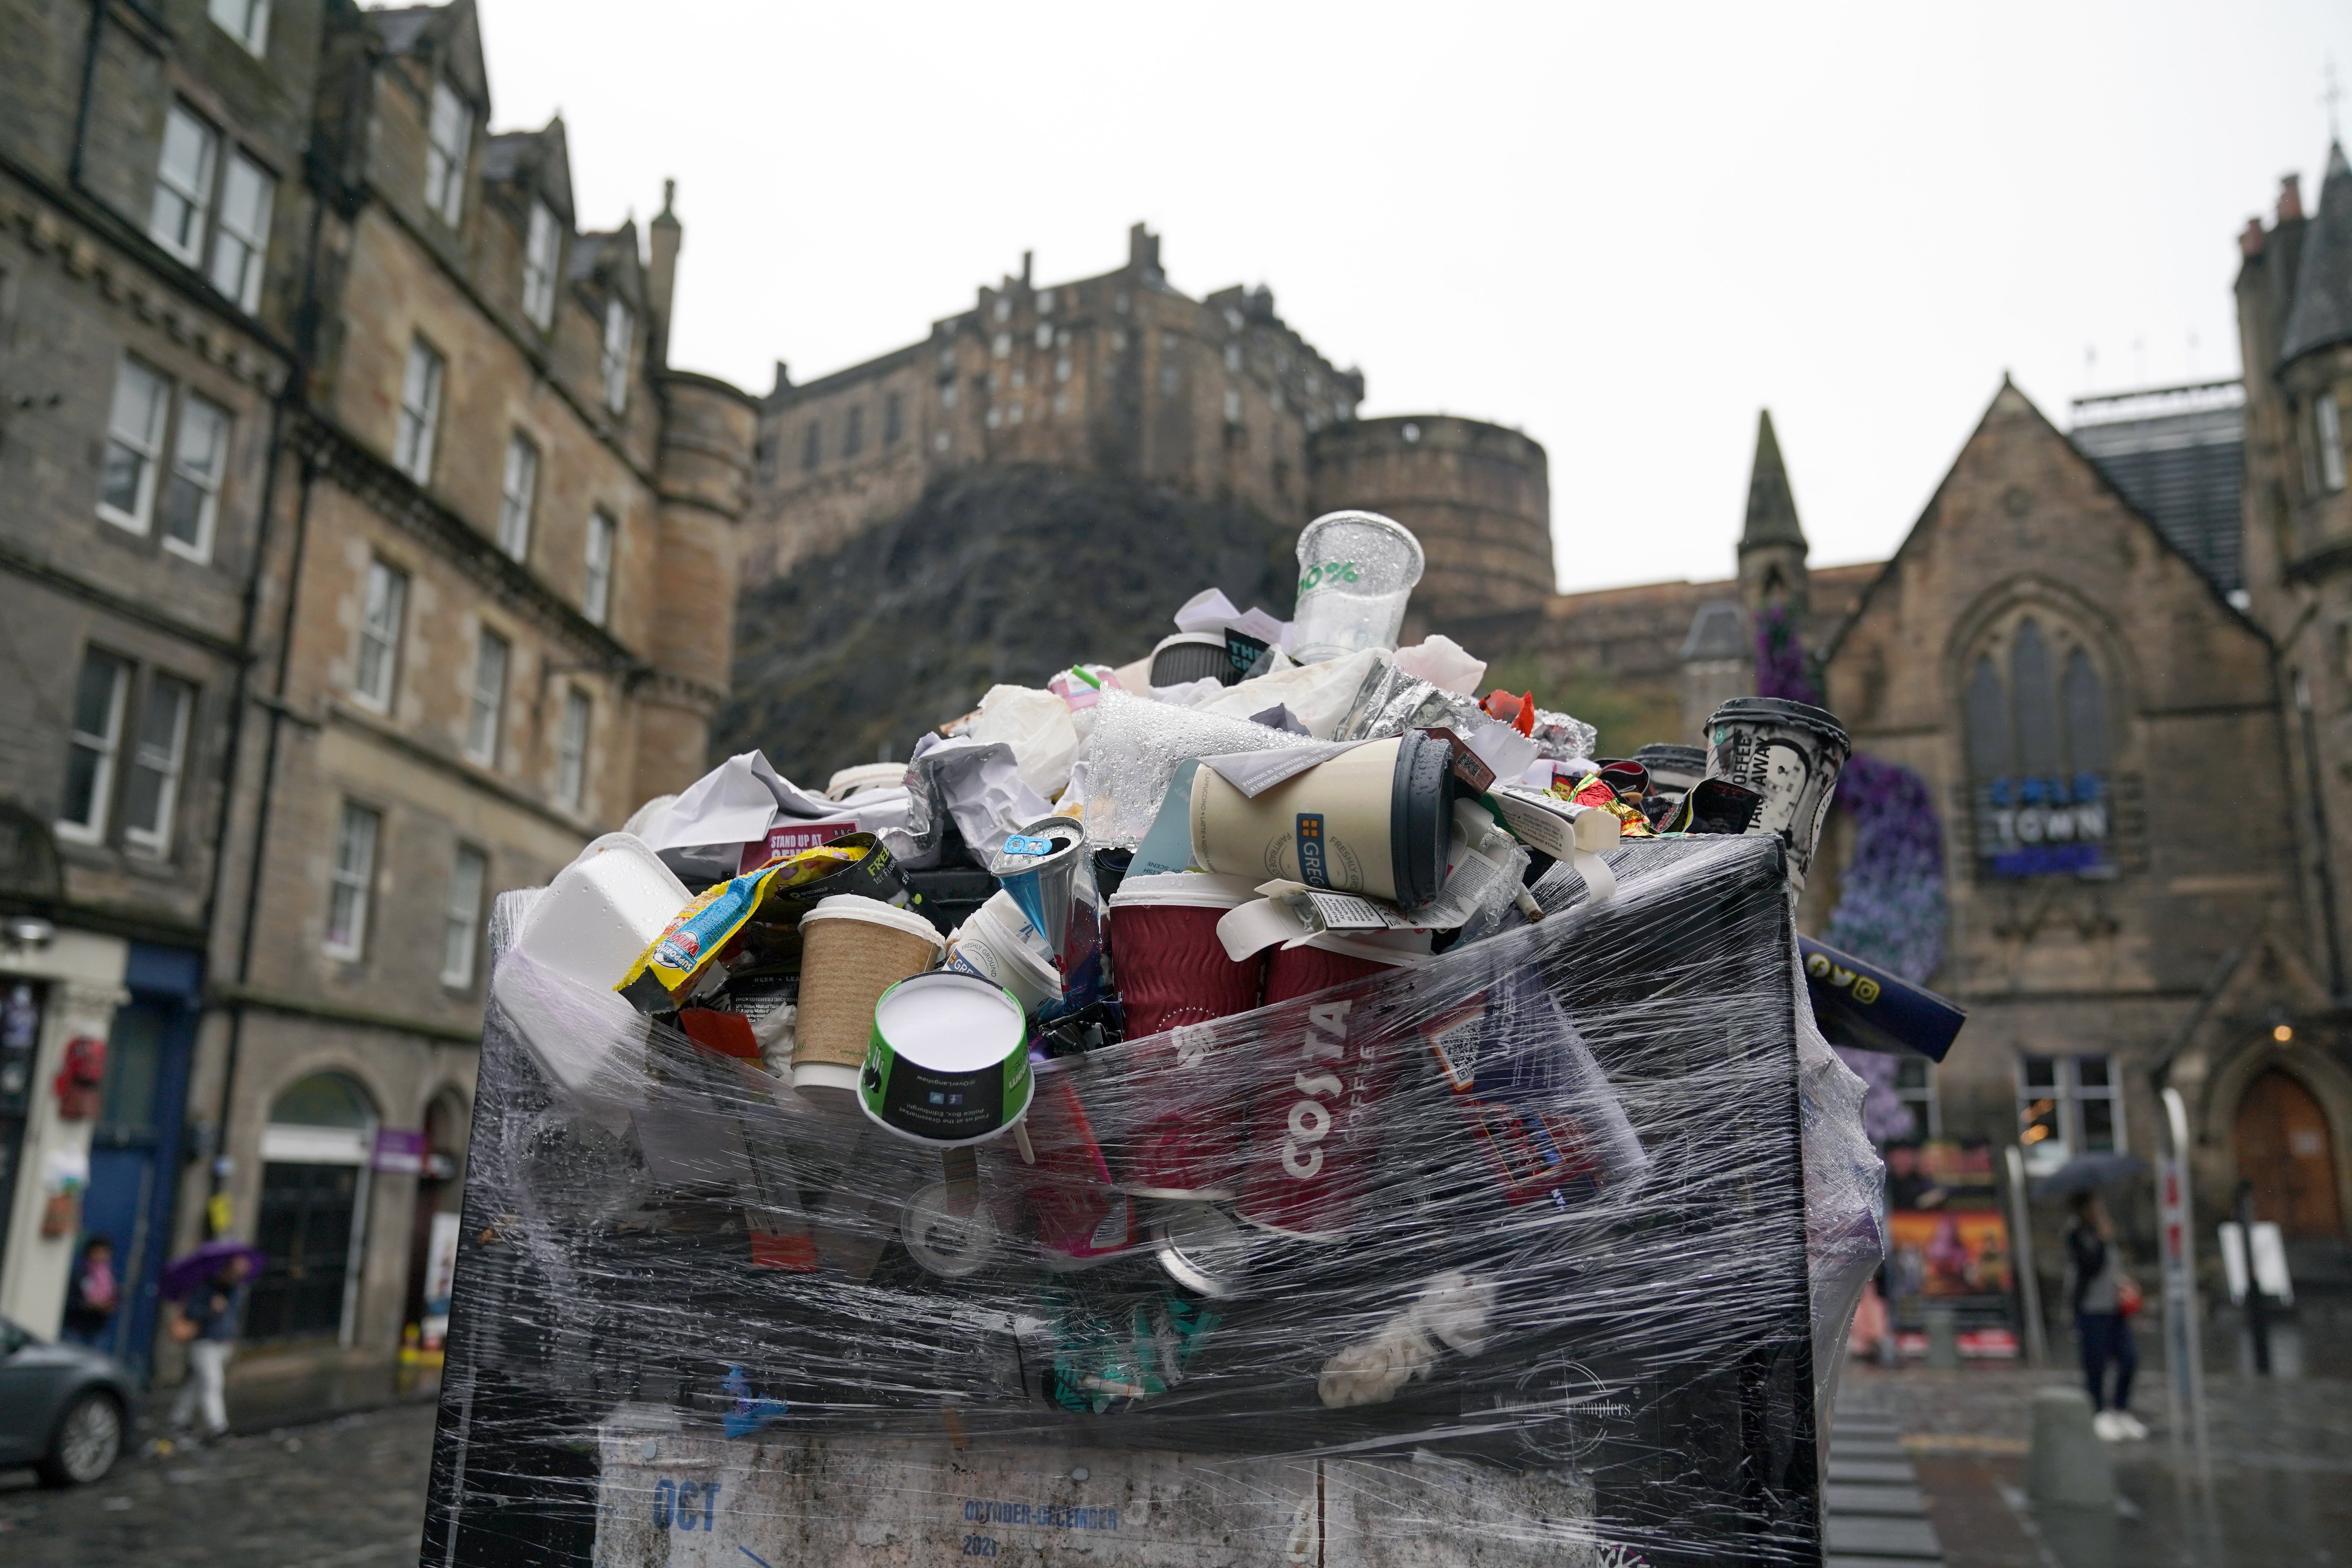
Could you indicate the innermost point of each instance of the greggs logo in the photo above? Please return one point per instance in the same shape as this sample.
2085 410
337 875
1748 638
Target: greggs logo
1308 836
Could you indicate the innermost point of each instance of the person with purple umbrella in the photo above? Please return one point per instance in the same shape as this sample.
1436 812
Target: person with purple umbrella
207 1323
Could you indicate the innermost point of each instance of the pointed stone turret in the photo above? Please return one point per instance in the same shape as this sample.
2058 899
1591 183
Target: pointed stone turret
2322 314
1772 546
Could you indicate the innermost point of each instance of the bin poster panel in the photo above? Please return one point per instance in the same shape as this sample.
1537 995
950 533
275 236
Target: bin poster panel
1949 1252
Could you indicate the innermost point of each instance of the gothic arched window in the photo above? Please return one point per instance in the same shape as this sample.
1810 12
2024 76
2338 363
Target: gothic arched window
2038 751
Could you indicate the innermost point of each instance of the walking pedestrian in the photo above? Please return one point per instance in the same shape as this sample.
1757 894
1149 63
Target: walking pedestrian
207 1323
2103 1295
92 1294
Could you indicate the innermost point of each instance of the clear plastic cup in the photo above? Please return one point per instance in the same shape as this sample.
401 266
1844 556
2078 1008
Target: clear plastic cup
1356 570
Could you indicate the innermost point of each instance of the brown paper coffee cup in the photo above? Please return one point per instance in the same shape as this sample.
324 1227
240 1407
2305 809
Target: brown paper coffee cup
853 949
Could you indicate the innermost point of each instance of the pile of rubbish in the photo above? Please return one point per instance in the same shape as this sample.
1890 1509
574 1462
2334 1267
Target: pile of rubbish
1270 1048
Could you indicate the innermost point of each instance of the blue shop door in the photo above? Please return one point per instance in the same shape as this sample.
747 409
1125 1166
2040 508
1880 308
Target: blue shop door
134 1154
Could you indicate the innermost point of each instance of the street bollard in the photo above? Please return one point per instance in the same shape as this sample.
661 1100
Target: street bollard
2258 1311
1943 1339
2068 1466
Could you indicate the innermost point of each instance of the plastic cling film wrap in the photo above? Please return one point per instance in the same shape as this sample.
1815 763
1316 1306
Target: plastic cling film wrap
1500 1258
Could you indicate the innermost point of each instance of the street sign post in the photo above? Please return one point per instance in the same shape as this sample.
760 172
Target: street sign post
2183 1345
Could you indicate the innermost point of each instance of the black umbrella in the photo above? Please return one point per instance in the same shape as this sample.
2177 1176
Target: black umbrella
2088 1173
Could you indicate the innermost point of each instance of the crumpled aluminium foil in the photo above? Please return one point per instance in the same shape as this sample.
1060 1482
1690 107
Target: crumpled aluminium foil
1389 702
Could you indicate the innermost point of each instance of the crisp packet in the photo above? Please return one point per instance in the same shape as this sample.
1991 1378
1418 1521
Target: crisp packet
669 971
1597 790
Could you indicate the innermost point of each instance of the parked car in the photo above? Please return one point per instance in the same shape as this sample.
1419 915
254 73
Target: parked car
64 1410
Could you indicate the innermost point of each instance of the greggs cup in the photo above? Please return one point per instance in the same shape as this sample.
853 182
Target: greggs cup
1375 819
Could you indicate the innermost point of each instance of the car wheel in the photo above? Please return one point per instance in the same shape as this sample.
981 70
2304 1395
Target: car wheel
87 1442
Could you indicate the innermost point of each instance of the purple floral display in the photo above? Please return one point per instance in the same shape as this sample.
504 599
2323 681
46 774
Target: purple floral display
1783 668
1890 907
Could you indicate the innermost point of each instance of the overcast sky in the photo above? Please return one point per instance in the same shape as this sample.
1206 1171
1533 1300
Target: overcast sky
1623 229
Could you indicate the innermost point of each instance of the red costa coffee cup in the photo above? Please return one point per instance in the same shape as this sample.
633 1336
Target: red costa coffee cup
1314 1119
1171 967
1174 975
1328 961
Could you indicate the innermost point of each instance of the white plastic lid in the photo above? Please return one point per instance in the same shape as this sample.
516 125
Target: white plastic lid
1197 889
873 912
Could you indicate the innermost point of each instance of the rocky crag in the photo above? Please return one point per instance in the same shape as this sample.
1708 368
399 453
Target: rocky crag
995 575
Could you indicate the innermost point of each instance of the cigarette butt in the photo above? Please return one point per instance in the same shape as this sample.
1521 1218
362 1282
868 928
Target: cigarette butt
1528 905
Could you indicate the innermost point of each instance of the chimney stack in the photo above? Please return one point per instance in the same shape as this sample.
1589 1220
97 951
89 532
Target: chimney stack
662 271
2250 238
1142 249
1025 257
2290 203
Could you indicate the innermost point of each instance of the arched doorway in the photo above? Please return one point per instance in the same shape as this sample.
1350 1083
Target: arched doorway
2283 1149
315 1154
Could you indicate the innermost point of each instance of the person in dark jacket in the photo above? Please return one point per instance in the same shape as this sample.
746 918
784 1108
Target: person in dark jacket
92 1294
2100 1323
207 1324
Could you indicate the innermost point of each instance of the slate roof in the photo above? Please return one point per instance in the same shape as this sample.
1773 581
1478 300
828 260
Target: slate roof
400 28
1771 507
1718 631
2179 455
2322 314
506 152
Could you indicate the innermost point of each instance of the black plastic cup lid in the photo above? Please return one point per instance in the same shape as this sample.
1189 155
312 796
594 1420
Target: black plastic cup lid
1780 709
1421 818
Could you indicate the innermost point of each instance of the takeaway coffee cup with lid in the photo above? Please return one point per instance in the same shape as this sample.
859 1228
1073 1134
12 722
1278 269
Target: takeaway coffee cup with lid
1175 975
1789 753
1673 769
853 950
1356 570
1375 819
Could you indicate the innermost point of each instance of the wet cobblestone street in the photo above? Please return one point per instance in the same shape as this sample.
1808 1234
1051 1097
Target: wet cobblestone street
342 1493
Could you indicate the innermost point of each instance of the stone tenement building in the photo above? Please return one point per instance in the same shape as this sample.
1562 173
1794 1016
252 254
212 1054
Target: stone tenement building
454 605
2294 323
148 305
1121 375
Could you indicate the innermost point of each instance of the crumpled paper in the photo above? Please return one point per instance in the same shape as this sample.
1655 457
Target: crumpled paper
1443 663
974 783
1037 726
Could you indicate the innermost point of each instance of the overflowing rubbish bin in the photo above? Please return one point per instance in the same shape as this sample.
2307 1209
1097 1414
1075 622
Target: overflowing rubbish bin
1299 1113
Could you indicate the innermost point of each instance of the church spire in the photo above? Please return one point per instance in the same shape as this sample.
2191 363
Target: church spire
1772 546
1771 508
2321 316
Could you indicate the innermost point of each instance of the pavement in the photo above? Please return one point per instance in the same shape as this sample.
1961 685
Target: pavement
346 1492
1873 1513
2273 1485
